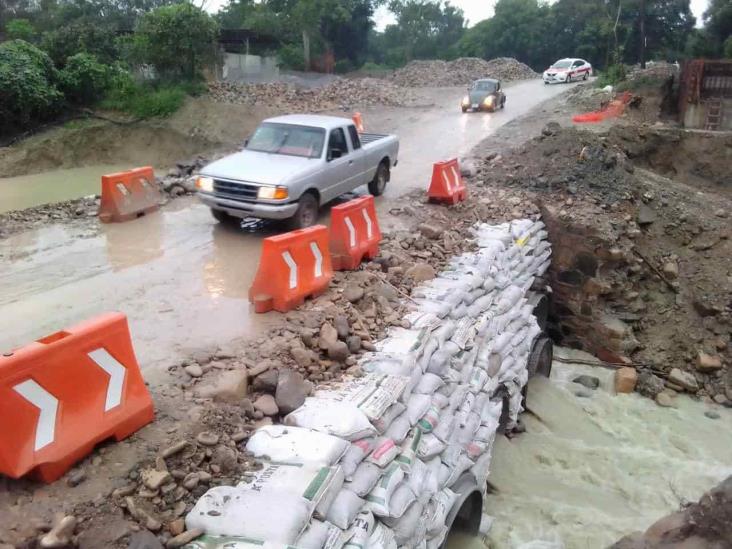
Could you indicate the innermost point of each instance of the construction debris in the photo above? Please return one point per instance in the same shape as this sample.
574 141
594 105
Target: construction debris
460 72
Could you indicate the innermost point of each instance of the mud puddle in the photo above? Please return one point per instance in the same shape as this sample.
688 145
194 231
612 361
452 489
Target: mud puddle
594 466
26 191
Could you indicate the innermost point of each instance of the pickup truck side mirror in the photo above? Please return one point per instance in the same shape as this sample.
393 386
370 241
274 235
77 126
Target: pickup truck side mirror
334 153
246 143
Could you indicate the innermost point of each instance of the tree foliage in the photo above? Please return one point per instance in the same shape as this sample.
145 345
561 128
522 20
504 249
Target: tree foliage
20 29
28 86
178 40
84 80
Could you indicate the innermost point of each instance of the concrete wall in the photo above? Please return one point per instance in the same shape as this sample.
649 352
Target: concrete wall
696 114
240 67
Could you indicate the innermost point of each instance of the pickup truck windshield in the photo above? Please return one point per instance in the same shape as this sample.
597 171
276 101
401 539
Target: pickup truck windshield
288 139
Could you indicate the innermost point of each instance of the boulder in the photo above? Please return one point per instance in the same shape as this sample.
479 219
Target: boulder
328 336
590 382
342 326
646 215
338 351
302 357
353 293
267 405
665 400
708 363
430 231
421 272
650 385
229 387
683 379
625 380
266 381
291 391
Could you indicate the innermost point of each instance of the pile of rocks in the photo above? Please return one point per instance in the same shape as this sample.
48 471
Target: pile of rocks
460 72
585 98
341 93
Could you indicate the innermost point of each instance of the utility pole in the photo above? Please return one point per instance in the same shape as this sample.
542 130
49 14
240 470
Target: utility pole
643 34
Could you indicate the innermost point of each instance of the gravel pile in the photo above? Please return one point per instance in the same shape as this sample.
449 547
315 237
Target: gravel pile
460 72
340 93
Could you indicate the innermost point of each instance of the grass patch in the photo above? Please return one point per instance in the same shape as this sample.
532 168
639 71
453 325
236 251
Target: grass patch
612 76
145 101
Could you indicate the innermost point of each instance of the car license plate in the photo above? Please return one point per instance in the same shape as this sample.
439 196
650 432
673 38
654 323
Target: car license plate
475 105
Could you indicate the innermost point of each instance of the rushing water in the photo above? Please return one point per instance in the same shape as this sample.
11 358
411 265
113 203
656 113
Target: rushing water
595 467
25 191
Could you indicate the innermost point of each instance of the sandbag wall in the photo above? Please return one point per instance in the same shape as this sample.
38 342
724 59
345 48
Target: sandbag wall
369 462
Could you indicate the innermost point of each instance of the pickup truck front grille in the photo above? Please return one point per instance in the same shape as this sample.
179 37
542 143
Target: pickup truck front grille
235 191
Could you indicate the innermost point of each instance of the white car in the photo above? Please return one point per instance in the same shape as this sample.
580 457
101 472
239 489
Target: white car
567 70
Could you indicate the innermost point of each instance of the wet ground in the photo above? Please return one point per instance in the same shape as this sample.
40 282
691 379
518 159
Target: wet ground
181 278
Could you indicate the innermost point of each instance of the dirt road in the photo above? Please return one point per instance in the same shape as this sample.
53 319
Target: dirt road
181 278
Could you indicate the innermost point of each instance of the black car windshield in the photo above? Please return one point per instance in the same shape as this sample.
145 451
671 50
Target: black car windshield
564 64
288 139
484 86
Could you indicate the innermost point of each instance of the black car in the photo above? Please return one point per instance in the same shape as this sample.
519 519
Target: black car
484 95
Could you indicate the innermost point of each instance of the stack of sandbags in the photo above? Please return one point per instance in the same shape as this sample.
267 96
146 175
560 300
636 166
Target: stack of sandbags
370 461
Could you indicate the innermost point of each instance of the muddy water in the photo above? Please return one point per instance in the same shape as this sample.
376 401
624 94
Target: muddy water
595 467
25 191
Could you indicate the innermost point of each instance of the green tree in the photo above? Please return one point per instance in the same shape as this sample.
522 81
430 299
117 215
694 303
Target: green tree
84 80
28 92
20 29
178 40
83 35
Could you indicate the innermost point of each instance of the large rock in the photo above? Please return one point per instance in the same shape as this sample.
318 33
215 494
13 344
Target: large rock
430 231
590 382
229 387
328 336
421 272
650 385
353 293
625 380
683 379
342 326
646 215
338 351
302 357
267 405
144 540
708 363
291 391
266 381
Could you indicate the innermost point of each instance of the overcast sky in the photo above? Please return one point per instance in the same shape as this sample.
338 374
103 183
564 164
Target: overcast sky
475 10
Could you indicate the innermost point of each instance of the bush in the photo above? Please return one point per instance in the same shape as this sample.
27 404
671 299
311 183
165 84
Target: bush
84 80
343 66
80 36
28 86
291 57
611 76
727 47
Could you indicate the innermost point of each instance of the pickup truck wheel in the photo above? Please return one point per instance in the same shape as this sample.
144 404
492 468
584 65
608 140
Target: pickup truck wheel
307 212
378 184
224 218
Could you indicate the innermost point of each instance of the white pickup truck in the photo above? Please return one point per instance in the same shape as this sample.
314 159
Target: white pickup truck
294 164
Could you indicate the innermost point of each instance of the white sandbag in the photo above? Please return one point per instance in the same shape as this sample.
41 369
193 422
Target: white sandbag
400 500
317 485
417 477
296 445
509 298
355 454
430 446
409 449
318 535
207 541
440 401
431 418
491 412
377 501
478 379
436 542
428 384
418 320
382 538
346 506
364 479
387 363
405 526
403 341
361 530
464 333
417 407
384 452
458 397
341 419
502 342
228 511
444 428
439 362
447 389
399 429
437 308
481 469
437 510
387 418
463 464
465 429
459 311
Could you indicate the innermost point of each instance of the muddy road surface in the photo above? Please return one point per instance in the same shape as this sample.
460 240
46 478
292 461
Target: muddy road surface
181 278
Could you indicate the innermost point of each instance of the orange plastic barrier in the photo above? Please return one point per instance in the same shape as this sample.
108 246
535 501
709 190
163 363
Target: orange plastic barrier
67 392
615 108
128 195
358 122
293 266
354 233
447 184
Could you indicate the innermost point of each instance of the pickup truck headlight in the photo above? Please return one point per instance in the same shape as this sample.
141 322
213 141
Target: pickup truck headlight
272 193
205 184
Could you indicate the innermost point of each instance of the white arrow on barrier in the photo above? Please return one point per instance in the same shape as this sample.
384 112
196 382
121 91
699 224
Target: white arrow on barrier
293 269
318 259
351 232
47 404
447 181
456 175
116 373
369 225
